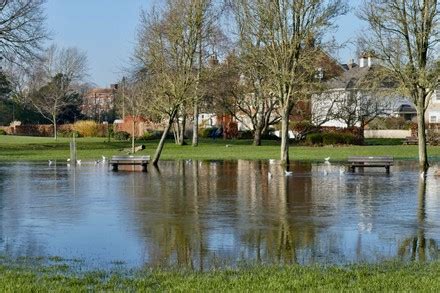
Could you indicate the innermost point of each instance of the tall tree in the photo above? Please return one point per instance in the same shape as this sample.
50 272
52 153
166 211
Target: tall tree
55 79
22 29
405 35
166 50
289 33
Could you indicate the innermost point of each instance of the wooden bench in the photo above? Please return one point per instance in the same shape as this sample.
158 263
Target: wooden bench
362 162
129 160
411 140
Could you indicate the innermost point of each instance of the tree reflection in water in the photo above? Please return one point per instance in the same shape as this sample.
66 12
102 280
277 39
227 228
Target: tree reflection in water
418 247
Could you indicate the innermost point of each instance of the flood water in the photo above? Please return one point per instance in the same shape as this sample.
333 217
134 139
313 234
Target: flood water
208 214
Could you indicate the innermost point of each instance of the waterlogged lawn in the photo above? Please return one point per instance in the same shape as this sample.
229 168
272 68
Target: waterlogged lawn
380 277
16 148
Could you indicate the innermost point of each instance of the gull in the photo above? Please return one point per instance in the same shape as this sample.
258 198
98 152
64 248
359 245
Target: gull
68 160
103 158
288 173
50 162
78 162
327 159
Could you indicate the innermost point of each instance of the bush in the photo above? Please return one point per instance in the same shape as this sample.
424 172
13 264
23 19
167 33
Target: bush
150 135
245 134
121 135
314 138
2 132
87 128
333 138
389 123
207 132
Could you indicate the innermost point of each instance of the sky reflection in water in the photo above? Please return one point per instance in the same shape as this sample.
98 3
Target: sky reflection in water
204 214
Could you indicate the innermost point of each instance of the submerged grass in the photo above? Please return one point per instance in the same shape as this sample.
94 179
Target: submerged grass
380 277
17 148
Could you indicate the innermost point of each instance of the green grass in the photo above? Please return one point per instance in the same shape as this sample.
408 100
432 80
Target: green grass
16 148
380 277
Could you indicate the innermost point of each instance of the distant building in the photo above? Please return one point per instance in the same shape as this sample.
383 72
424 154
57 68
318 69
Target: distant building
99 103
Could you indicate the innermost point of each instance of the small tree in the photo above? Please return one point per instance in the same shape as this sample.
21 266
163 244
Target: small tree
289 32
53 82
405 37
166 52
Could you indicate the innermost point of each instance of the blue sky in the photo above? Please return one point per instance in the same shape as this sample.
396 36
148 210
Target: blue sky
106 29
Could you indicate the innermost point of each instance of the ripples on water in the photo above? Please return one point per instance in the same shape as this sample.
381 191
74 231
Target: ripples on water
204 214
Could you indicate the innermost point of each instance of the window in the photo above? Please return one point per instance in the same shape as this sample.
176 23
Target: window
437 95
432 119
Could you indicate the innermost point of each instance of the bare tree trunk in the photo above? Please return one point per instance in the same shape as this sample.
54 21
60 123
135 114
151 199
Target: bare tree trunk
181 133
285 138
55 136
133 124
162 140
423 154
195 137
257 135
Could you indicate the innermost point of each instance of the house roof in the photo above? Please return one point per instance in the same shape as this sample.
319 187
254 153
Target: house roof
359 77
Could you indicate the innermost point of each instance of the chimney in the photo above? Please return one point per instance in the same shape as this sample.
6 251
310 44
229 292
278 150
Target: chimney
363 60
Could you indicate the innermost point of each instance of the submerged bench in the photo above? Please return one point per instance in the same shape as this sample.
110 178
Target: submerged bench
129 160
363 162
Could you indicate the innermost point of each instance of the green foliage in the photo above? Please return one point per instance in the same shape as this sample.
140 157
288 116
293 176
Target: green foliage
314 138
207 132
121 135
245 134
2 132
150 135
334 138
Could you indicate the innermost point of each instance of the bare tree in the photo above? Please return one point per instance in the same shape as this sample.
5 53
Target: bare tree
290 32
405 35
22 29
166 50
54 81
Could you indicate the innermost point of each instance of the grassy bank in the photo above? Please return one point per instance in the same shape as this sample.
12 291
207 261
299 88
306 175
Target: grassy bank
386 276
16 148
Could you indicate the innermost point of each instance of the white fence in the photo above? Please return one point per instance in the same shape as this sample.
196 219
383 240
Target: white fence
387 133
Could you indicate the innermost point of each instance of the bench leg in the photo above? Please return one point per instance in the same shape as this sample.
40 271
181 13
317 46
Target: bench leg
144 167
115 167
387 169
353 168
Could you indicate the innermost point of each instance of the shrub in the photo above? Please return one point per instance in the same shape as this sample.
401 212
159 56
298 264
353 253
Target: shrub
332 138
207 132
121 135
2 132
150 135
86 128
245 134
314 138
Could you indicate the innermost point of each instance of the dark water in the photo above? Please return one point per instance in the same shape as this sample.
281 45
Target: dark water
204 214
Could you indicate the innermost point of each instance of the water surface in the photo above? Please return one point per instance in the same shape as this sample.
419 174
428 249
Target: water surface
205 214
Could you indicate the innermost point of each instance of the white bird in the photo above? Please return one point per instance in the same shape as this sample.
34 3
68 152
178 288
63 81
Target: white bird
228 145
103 158
50 162
68 160
78 162
68 165
341 171
327 159
288 173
